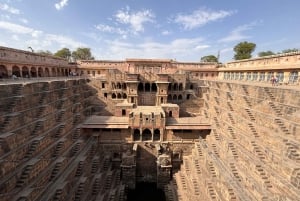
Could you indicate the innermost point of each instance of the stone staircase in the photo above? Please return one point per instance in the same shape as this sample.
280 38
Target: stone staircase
32 149
282 126
58 148
76 134
59 131
80 189
37 127
24 176
250 115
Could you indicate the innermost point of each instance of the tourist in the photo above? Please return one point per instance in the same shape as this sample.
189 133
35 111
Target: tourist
273 80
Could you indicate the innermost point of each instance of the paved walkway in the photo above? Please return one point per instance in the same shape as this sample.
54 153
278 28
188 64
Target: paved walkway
295 86
38 79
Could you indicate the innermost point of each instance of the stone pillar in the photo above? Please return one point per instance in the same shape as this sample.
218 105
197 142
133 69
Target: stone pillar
164 170
128 167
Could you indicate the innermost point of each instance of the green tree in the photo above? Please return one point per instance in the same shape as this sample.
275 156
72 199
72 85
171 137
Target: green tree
243 50
266 53
290 50
63 53
45 52
209 58
82 54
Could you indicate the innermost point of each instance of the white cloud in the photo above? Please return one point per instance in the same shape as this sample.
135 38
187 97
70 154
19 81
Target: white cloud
38 38
9 9
237 34
63 41
135 19
110 29
61 4
200 17
25 21
183 48
15 28
165 33
15 37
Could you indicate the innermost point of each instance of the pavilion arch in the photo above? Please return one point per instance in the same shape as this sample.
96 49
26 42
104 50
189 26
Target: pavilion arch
179 97
156 135
53 72
113 96
293 76
25 71
124 86
58 71
119 96
33 72
140 87
47 73
124 96
147 87
119 85
174 97
3 72
66 72
153 87
180 87
136 135
146 135
175 87
16 71
113 85
40 72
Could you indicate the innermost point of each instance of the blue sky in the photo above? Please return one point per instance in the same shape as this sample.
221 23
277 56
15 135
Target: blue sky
173 29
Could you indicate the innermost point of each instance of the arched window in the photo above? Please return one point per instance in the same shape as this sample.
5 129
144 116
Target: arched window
119 96
293 77
188 96
25 71
124 86
262 76
170 114
16 71
174 97
113 85
180 87
53 72
47 74
169 87
146 136
140 87
169 98
175 87
156 135
33 72
136 135
118 85
40 72
191 86
147 87
113 96
3 72
161 100
153 87
124 96
179 97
